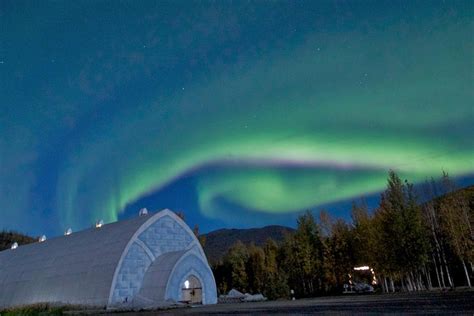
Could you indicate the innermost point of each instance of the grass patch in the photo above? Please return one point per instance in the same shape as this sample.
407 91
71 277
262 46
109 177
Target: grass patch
39 309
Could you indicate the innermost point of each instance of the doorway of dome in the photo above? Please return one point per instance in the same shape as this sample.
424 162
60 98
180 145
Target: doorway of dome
192 290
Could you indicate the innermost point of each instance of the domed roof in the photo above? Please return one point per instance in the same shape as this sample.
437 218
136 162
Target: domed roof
78 268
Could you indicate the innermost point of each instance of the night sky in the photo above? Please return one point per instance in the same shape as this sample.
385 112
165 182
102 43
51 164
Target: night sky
239 114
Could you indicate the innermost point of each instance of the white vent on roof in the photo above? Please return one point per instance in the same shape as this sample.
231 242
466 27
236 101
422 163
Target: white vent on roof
68 232
99 224
14 245
143 212
42 238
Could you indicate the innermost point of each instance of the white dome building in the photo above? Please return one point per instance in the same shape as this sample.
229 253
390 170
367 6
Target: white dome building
148 261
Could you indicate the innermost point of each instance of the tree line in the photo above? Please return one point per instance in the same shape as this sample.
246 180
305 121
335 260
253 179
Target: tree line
410 245
7 238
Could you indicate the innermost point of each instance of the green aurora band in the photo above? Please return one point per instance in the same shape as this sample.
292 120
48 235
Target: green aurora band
319 123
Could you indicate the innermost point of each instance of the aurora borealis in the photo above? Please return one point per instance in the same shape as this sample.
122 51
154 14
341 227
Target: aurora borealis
239 113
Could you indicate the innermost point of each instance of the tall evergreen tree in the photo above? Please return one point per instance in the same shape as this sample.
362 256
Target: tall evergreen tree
402 232
275 281
363 234
255 269
340 255
456 221
304 257
235 262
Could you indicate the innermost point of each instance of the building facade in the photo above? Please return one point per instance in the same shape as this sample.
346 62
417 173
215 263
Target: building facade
144 262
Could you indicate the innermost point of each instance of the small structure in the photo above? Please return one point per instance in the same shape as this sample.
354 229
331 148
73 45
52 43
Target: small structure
145 262
235 296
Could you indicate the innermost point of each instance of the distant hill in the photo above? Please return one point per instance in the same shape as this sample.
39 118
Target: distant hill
219 241
467 192
7 238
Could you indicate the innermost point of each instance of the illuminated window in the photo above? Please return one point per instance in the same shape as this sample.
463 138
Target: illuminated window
99 224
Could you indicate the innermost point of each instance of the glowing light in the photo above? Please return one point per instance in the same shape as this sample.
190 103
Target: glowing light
143 212
99 224
68 232
186 284
361 268
42 238
14 245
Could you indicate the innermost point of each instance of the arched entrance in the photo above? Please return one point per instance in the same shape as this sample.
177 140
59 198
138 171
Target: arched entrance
192 290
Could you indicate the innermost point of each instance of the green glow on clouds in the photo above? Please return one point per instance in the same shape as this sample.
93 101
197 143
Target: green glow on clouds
107 108
346 115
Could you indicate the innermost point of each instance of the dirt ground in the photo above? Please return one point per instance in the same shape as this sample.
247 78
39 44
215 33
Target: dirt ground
438 303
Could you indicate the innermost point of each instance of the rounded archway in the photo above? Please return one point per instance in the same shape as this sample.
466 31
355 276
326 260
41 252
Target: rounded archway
191 291
158 260
180 276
